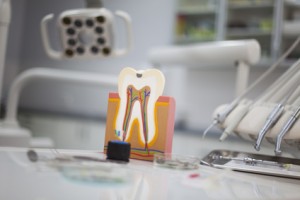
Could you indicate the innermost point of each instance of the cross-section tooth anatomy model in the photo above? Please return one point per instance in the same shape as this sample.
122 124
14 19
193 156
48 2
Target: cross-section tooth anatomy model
140 115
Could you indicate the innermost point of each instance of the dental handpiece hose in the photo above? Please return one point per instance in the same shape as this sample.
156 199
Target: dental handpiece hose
242 112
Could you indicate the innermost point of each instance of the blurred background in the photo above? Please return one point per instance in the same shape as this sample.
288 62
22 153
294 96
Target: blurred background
73 116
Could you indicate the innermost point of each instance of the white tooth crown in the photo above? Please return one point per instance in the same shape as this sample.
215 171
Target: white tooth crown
138 92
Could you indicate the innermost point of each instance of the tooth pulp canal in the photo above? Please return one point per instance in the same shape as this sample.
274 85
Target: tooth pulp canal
138 92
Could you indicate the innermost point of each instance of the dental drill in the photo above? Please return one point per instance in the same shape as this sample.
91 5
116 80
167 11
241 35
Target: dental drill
271 120
287 126
274 115
220 117
242 112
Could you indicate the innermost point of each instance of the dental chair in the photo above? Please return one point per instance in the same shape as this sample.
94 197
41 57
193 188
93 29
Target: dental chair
271 118
84 34
237 54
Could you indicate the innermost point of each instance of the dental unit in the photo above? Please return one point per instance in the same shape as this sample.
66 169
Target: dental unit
246 105
223 113
241 53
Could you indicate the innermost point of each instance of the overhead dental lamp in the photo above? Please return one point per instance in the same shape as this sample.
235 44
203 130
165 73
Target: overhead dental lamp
86 33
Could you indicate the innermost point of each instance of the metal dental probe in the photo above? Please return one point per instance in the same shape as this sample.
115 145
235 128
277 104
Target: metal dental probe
288 125
222 116
273 118
249 160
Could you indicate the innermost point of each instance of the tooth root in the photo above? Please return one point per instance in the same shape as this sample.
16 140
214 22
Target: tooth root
138 91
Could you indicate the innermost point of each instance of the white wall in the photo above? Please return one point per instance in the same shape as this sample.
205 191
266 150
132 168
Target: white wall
152 26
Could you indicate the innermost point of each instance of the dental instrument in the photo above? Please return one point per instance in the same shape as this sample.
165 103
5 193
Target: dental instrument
287 126
244 110
33 156
271 120
253 163
274 115
269 92
250 161
275 87
220 117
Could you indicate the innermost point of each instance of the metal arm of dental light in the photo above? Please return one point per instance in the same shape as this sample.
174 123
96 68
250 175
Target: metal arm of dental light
5 16
219 53
10 121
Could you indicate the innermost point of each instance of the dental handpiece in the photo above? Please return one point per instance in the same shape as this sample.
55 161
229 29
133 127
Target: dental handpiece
272 118
288 125
220 118
237 119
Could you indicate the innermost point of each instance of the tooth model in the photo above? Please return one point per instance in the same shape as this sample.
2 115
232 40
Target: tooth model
138 114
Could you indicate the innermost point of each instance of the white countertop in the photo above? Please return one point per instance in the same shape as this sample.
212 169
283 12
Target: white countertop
22 179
